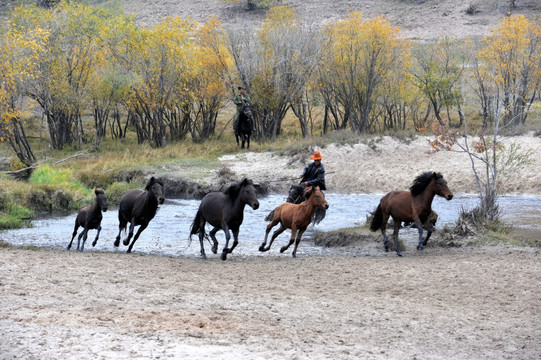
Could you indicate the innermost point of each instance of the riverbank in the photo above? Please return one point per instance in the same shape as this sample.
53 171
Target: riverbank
383 164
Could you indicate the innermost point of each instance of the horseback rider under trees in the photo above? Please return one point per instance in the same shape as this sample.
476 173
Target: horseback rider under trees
241 99
312 175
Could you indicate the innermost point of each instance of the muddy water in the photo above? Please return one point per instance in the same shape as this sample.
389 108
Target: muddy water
168 232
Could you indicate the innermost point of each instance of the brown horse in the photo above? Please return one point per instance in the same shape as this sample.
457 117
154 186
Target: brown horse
138 207
224 211
411 206
89 217
294 217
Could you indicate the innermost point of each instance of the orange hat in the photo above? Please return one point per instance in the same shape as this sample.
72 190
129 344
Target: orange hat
316 156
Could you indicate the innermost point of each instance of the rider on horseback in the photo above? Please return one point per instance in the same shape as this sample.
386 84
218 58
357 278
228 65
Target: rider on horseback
312 175
241 99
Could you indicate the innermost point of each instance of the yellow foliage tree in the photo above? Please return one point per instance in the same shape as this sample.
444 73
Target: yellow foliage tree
510 64
360 56
19 57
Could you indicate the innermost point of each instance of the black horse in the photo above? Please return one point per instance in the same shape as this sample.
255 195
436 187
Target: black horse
89 217
138 207
225 211
244 126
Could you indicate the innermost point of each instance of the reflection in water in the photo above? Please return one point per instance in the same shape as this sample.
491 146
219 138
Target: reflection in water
168 232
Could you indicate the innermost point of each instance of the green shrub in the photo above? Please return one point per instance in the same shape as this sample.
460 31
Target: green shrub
115 192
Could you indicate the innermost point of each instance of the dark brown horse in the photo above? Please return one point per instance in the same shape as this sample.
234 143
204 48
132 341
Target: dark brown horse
89 217
224 211
296 217
411 206
244 127
138 207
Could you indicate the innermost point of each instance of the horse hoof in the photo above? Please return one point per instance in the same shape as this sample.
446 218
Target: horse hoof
203 256
93 244
116 243
224 256
214 249
419 248
126 242
261 248
294 255
399 254
282 249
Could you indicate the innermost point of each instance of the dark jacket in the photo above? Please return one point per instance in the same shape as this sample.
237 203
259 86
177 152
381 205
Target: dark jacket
314 175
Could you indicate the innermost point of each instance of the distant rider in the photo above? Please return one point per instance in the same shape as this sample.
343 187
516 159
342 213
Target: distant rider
241 99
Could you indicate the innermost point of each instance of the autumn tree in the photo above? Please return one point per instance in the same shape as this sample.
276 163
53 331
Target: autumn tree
508 68
360 55
19 58
163 66
210 83
60 86
437 74
276 66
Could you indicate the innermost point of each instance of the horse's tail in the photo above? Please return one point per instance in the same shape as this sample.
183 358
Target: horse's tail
377 219
196 225
270 216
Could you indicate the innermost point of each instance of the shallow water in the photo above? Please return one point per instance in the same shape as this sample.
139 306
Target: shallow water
168 232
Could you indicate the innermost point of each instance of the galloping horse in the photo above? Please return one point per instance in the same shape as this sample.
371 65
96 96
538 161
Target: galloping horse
138 207
296 217
411 206
244 126
224 211
89 217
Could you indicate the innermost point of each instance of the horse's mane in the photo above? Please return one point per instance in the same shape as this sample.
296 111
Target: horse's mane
233 191
421 182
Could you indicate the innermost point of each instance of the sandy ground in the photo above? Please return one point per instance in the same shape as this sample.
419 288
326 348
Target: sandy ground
451 304
468 303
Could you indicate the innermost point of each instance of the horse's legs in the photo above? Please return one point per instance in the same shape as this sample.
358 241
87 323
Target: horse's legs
280 230
97 236
130 232
248 142
428 233
141 228
121 225
73 235
201 236
235 240
384 231
212 234
225 228
420 229
395 236
291 239
84 235
297 241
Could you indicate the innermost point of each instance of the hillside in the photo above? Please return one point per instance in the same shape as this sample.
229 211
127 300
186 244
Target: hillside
416 18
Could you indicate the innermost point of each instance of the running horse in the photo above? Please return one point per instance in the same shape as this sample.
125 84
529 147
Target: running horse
224 211
89 217
244 126
138 207
411 206
296 217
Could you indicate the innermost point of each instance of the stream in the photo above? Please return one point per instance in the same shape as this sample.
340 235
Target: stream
168 233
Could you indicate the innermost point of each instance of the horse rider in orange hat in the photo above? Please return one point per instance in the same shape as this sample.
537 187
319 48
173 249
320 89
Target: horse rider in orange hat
312 175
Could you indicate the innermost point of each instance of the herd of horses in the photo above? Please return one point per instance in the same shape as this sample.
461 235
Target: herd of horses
225 211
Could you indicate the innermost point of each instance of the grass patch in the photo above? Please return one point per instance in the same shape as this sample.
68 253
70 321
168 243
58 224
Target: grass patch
16 217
